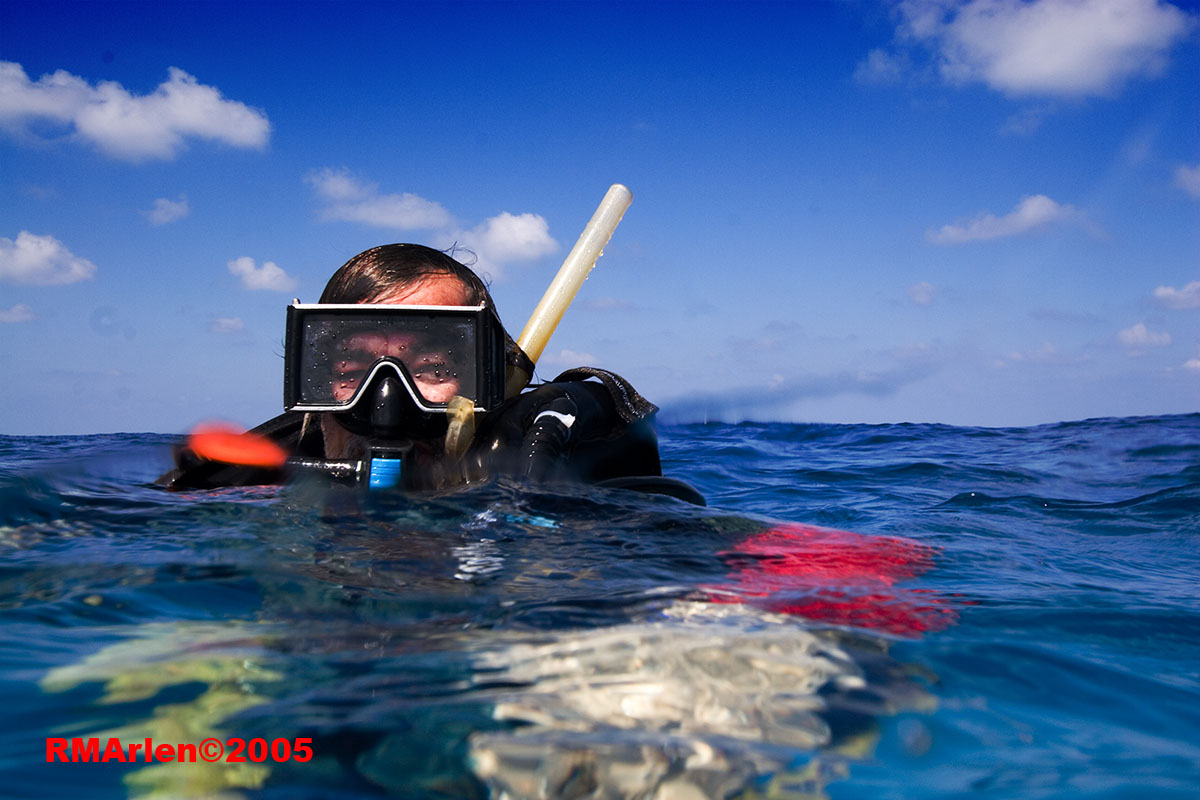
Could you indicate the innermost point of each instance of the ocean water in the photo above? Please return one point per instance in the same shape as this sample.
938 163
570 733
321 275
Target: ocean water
985 612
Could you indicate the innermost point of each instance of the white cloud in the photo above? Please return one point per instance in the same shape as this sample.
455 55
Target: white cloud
167 211
747 348
913 351
497 241
1139 336
1187 297
39 192
269 276
921 294
18 313
351 200
1044 355
1066 48
1192 364
127 126
565 359
881 67
226 325
1188 179
506 238
1026 121
41 260
1033 212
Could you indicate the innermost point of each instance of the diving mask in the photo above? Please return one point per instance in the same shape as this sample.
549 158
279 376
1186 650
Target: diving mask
392 369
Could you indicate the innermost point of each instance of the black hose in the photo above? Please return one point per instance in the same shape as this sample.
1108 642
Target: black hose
546 439
343 471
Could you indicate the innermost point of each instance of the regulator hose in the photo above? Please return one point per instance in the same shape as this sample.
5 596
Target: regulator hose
546 438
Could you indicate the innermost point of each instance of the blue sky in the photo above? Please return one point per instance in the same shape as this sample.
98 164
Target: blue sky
981 212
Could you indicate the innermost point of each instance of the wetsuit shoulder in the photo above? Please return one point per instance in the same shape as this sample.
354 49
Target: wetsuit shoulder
572 429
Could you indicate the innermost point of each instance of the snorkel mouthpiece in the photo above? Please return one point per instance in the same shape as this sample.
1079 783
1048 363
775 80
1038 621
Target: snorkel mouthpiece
386 467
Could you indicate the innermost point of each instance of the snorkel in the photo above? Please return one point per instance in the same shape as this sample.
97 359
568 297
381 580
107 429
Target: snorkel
391 464
571 275
547 314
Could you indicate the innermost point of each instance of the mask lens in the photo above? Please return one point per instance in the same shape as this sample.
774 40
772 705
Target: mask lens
340 353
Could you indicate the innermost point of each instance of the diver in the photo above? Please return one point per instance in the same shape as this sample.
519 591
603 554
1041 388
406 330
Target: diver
402 375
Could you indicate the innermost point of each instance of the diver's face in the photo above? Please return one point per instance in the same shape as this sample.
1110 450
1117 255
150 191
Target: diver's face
430 365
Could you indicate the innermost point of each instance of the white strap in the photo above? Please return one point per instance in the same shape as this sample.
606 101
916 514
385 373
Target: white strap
567 420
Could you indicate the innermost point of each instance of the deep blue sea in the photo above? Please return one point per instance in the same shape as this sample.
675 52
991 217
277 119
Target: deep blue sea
1000 613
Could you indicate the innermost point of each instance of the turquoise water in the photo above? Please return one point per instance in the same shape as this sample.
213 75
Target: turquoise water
1016 614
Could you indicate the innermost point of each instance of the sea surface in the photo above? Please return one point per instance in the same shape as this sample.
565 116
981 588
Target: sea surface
862 611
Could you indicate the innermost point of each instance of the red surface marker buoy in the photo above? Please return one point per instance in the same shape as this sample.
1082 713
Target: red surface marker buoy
835 576
217 441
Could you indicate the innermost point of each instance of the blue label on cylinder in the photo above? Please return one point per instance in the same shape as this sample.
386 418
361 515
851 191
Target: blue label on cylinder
385 473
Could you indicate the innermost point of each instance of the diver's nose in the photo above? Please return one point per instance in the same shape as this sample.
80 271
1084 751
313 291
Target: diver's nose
387 406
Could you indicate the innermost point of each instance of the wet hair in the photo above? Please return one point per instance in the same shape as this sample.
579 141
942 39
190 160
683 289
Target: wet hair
376 272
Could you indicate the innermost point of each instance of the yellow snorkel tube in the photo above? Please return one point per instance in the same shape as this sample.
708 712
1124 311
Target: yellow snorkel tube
566 283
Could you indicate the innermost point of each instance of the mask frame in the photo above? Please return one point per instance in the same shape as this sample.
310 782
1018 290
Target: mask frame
488 357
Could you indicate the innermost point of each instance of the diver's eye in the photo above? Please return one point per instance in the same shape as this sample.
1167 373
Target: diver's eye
433 372
348 367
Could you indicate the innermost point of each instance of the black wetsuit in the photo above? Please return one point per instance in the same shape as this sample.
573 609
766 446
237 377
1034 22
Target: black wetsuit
587 425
